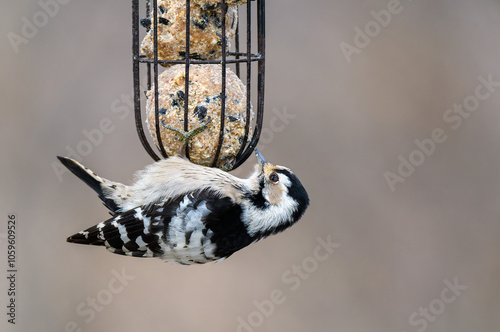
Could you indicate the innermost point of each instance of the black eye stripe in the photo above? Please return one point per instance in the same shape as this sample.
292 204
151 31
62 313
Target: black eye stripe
285 172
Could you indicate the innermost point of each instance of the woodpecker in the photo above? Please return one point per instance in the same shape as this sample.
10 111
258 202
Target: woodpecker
191 214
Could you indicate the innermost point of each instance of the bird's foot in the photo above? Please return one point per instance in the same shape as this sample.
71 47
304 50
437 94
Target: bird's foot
186 136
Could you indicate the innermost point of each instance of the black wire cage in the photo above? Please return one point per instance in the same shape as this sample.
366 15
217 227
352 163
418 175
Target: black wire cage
242 60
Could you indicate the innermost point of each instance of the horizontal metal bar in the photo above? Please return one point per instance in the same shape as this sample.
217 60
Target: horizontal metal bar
201 62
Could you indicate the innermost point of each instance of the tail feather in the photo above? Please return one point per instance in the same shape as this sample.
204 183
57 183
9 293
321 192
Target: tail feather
91 179
88 236
129 233
98 184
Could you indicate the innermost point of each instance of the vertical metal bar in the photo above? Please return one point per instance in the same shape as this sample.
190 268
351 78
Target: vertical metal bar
249 79
188 59
137 81
261 78
148 12
223 93
261 30
155 67
237 42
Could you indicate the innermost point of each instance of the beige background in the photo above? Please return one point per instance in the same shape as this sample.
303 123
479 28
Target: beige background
353 121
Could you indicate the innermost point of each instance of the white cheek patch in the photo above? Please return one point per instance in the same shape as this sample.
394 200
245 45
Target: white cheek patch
270 217
285 180
273 197
276 194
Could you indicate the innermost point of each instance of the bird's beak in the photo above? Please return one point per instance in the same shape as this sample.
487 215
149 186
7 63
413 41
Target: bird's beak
260 158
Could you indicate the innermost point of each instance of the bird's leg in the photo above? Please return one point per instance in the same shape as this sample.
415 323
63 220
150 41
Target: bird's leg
187 136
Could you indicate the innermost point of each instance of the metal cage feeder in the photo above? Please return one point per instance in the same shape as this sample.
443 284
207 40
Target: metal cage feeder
237 58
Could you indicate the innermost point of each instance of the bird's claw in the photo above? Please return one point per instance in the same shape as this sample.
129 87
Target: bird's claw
187 136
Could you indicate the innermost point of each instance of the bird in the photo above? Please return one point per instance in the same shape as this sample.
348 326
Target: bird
188 214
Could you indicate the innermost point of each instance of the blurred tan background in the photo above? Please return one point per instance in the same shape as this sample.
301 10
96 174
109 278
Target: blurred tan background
353 120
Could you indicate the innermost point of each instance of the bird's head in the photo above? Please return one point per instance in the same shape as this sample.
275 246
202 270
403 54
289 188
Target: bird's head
278 200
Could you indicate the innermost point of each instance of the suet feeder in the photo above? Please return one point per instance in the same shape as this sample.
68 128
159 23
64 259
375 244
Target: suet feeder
248 63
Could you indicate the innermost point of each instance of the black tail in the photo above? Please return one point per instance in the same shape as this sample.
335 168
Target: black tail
88 236
91 179
82 174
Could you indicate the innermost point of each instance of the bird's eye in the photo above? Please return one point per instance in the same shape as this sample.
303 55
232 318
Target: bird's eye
274 177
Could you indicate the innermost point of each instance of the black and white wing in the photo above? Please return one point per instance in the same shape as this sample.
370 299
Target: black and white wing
193 228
